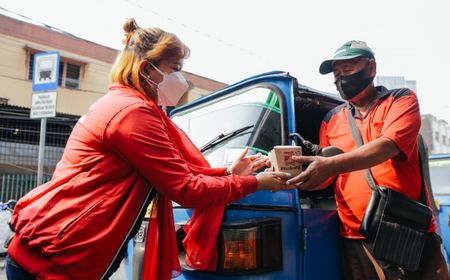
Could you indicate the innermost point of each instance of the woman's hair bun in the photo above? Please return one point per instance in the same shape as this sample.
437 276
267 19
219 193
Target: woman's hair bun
130 25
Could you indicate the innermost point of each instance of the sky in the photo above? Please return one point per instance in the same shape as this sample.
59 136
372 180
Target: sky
235 39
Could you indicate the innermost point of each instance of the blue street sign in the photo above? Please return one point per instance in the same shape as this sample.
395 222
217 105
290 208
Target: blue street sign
45 71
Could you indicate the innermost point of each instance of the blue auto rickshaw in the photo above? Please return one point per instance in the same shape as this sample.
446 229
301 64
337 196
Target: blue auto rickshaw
282 235
439 166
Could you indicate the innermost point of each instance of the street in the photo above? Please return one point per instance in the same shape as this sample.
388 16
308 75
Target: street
119 275
2 269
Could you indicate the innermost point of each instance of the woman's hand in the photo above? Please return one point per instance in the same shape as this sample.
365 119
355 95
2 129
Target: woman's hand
245 165
273 181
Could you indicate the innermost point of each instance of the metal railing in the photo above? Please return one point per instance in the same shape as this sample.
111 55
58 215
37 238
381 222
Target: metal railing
19 149
14 186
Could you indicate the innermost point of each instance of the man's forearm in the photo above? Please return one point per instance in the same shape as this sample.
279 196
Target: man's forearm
366 156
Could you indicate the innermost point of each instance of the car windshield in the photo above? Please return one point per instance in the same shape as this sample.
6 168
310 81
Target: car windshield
256 109
440 175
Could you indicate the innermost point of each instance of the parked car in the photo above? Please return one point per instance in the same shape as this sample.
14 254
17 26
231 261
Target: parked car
440 181
283 235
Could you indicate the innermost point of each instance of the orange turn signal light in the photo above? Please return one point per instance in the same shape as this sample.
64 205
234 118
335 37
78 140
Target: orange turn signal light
249 246
240 249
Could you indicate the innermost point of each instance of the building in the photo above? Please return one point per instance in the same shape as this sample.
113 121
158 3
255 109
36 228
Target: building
436 134
84 66
392 82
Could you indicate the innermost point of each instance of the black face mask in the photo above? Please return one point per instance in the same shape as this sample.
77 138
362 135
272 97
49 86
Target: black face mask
351 85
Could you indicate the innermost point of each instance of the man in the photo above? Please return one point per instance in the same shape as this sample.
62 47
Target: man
389 122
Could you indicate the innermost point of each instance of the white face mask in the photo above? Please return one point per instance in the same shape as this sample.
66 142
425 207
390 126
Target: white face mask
171 88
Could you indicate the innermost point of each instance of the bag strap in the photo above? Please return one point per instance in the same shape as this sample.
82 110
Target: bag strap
359 142
423 169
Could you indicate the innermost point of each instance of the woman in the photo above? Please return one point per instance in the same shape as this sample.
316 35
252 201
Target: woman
120 156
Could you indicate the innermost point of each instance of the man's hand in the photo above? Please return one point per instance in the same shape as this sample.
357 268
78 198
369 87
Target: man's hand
319 170
246 165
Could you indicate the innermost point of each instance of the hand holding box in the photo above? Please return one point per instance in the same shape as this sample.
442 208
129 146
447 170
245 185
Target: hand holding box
280 157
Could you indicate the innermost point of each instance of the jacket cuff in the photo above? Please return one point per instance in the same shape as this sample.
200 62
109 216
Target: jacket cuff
249 184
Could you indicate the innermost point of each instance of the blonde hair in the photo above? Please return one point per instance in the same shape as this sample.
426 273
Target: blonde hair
152 44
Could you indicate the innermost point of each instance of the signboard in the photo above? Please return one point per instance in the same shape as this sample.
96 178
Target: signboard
45 71
43 105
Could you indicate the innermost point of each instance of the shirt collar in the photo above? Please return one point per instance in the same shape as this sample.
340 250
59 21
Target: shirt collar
383 93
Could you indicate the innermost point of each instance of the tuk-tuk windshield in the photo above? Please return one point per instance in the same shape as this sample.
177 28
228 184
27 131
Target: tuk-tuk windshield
256 109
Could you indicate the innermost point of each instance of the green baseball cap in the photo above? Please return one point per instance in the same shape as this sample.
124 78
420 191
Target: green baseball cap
349 50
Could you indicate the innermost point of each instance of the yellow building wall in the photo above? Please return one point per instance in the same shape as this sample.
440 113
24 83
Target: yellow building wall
193 94
15 86
94 81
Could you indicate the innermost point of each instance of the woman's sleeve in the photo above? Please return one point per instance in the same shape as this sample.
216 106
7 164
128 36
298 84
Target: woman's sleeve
139 136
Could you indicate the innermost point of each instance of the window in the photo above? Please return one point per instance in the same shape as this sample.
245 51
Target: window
72 79
440 175
256 111
69 73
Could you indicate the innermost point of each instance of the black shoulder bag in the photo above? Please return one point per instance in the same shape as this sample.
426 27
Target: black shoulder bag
395 225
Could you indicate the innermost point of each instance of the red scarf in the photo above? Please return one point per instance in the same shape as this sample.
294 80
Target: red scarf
161 253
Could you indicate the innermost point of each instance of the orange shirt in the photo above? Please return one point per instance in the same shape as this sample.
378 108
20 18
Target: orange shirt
395 116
